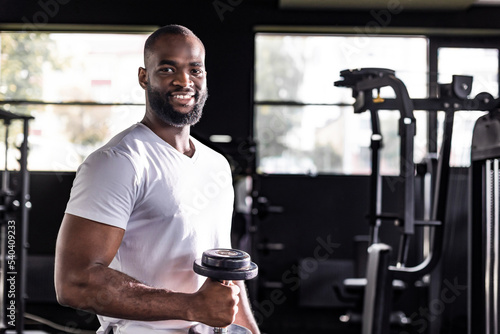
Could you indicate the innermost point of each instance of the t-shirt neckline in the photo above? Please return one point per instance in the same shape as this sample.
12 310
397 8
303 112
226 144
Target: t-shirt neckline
157 138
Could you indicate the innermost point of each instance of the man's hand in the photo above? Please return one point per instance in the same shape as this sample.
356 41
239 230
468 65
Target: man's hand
216 304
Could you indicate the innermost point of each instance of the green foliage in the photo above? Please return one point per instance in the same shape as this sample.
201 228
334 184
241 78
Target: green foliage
24 60
280 69
23 57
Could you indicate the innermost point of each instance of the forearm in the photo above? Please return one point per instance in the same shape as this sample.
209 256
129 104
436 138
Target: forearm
108 292
245 317
84 280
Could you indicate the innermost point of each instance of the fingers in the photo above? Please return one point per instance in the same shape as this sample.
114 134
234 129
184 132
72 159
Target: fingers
218 303
232 304
236 299
235 288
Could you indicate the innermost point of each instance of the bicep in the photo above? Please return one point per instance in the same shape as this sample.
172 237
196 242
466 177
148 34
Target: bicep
83 243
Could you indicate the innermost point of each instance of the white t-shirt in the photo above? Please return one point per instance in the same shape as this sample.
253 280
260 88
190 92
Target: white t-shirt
172 208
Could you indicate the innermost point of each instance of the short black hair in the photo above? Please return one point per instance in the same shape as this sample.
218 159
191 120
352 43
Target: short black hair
172 29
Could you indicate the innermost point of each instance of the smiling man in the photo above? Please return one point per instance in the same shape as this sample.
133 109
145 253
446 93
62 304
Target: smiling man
174 79
134 223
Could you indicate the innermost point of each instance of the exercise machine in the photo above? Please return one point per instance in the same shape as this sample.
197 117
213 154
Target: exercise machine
452 97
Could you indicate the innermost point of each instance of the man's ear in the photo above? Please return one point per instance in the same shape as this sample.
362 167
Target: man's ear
143 77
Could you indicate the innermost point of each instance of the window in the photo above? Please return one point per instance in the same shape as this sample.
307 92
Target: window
81 88
482 64
305 125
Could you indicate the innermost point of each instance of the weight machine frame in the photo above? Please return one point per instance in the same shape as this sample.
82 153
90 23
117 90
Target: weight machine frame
453 98
14 207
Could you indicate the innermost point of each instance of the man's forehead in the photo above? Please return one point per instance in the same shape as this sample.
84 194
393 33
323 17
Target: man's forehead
175 48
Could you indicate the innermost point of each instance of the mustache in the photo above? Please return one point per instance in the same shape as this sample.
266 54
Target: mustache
164 96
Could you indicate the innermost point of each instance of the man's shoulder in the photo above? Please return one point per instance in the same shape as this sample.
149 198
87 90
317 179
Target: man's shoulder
125 138
124 145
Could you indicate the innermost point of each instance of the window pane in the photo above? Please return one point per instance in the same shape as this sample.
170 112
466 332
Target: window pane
300 140
330 139
303 68
62 136
461 140
67 67
327 139
482 64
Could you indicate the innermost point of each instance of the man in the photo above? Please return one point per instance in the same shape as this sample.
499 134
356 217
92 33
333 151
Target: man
149 202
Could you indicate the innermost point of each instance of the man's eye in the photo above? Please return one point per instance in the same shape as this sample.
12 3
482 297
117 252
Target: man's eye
197 73
166 69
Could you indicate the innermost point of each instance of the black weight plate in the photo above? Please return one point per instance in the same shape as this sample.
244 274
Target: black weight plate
222 274
225 258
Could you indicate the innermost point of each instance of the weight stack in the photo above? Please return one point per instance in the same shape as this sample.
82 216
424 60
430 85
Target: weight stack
484 227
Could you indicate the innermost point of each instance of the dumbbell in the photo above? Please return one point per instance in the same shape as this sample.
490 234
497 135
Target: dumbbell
226 265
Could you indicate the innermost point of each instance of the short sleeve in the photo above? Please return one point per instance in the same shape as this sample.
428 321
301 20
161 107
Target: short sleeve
104 189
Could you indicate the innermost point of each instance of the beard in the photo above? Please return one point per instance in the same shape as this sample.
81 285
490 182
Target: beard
165 111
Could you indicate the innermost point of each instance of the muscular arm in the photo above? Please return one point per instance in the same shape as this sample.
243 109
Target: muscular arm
83 280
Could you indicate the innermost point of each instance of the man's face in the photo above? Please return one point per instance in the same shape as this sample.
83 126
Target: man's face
176 88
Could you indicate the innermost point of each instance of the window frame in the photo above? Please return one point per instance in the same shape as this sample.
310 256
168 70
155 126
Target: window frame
437 42
74 29
459 38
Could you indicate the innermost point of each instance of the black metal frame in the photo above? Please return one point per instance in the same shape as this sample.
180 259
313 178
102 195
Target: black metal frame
452 97
14 230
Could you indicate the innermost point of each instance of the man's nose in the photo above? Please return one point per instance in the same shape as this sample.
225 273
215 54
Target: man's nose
183 79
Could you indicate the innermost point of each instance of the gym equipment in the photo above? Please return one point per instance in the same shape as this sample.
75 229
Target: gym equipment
14 206
377 320
452 97
226 265
484 226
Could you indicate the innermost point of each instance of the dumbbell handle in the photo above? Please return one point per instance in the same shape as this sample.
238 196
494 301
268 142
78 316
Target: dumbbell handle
226 265
222 330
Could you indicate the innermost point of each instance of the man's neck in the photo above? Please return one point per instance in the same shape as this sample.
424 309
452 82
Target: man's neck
177 137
